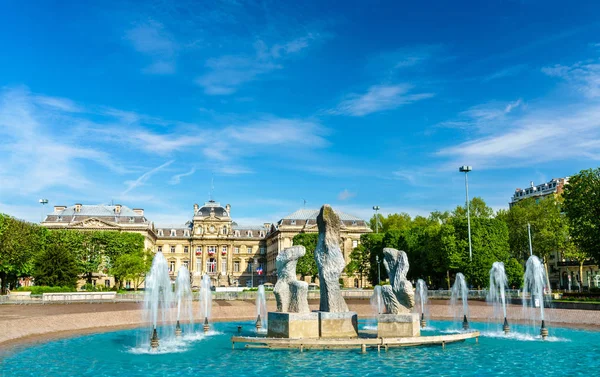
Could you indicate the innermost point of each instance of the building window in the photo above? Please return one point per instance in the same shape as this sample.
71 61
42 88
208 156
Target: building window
186 264
224 230
224 250
198 250
249 249
59 218
172 249
262 234
293 222
263 250
353 222
186 233
354 243
131 219
224 265
186 249
237 233
198 265
249 267
159 249
211 265
173 233
171 266
236 266
249 233
212 250
237 249
160 232
107 283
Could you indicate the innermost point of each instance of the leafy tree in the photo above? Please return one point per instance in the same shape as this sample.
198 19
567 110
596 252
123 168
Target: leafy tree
359 262
477 207
395 221
514 273
372 242
57 265
307 266
582 207
132 266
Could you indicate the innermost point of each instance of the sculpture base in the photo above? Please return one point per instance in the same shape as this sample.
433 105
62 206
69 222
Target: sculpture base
338 325
398 325
293 325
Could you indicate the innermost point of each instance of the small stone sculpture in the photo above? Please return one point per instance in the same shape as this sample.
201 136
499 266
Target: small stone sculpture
330 261
291 294
398 297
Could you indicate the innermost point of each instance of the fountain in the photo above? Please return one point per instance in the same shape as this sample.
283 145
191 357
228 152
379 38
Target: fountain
460 291
205 301
158 297
183 292
421 300
376 300
261 310
497 292
533 290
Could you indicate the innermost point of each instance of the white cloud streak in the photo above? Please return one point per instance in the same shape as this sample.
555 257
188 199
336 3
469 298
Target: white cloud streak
176 179
345 195
142 179
153 40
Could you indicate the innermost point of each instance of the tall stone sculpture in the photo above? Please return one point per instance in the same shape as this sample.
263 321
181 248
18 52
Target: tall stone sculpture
398 297
290 294
330 261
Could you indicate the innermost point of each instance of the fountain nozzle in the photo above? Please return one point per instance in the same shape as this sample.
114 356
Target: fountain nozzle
544 330
206 327
423 322
178 329
465 323
258 323
506 327
154 339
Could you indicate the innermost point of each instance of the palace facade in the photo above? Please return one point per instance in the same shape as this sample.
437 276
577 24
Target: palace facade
210 242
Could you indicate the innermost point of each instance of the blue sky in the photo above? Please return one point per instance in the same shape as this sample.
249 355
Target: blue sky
347 103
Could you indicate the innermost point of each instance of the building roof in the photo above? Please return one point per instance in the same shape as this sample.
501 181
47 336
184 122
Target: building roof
98 210
211 205
311 214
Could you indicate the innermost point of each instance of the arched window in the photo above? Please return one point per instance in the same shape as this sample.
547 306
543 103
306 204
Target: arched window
211 265
173 232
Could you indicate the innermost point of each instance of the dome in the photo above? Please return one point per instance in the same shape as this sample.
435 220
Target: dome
212 206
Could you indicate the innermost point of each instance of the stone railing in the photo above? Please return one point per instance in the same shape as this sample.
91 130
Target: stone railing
79 296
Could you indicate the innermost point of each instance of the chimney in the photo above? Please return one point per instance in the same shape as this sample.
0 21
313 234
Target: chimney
531 183
139 211
195 208
59 208
267 226
117 209
77 207
228 208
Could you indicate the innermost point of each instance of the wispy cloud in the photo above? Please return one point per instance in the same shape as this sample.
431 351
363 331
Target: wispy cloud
345 195
226 74
485 117
142 179
378 98
153 40
176 179
583 76
506 72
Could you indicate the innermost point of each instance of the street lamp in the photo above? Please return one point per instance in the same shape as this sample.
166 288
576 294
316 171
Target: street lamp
376 208
466 169
378 269
43 202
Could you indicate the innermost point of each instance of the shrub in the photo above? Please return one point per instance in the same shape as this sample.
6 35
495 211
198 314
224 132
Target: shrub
40 289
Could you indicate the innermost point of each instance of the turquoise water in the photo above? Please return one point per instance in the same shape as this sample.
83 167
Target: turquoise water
569 352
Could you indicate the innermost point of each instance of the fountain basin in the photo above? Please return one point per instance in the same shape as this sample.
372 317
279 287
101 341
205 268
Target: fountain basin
398 325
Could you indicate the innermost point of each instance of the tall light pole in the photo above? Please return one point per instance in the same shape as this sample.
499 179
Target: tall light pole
43 202
466 169
376 208
378 270
529 234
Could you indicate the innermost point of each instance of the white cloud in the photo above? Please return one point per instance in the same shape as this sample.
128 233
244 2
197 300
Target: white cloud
506 72
226 74
484 117
142 179
345 195
378 98
150 38
583 76
176 179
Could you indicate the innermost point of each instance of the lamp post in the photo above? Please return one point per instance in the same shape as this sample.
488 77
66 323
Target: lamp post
43 202
251 263
529 235
376 208
466 169
378 269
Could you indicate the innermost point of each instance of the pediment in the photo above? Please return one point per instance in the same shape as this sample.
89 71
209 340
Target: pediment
94 222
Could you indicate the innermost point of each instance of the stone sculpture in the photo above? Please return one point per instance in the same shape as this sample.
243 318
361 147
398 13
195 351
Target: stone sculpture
398 297
330 261
291 295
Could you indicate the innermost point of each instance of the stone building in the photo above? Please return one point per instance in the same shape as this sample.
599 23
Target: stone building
211 242
554 187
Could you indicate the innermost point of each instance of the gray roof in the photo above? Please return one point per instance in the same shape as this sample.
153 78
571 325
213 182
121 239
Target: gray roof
219 210
311 214
99 210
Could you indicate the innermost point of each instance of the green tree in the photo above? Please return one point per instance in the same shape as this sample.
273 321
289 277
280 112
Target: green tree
582 207
372 242
359 262
132 266
56 266
307 266
477 208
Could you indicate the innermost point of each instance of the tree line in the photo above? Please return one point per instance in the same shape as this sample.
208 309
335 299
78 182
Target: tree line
62 257
437 245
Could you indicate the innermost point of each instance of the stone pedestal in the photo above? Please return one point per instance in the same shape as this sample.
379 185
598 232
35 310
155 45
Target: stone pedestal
398 325
293 325
338 325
